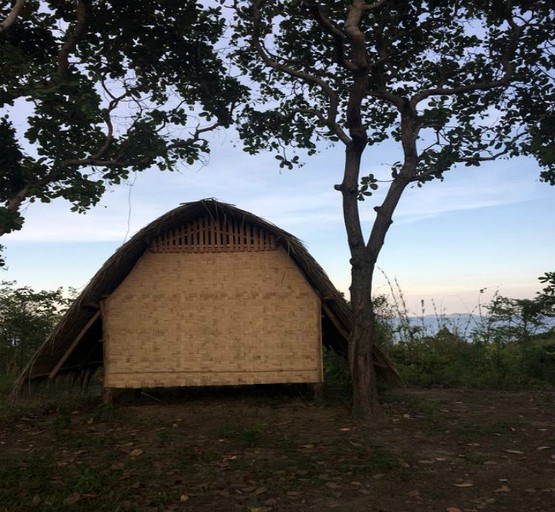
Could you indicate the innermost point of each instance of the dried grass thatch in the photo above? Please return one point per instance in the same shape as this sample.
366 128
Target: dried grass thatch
73 346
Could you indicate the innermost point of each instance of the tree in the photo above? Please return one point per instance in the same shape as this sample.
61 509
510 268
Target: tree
26 319
515 320
547 296
92 90
454 84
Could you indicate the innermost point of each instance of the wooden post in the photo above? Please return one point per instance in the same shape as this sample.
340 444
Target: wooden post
107 396
318 389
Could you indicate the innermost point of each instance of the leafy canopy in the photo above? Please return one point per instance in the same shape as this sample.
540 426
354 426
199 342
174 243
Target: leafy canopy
92 90
476 75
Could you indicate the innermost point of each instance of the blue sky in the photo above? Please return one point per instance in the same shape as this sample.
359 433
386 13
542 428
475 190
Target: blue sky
492 227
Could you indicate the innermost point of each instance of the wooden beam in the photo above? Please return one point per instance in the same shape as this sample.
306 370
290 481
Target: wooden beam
74 343
335 321
90 305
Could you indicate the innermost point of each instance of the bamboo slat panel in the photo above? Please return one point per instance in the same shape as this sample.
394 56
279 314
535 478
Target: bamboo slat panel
207 234
197 319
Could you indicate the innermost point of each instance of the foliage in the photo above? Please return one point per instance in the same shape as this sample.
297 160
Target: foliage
511 320
26 319
547 295
474 76
446 361
510 345
91 91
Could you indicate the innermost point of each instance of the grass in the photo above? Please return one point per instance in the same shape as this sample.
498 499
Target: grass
468 431
247 435
428 409
41 483
251 436
234 454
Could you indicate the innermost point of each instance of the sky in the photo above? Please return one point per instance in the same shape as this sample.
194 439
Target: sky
487 228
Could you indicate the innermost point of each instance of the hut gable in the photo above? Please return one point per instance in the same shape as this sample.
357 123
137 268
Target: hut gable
206 294
209 234
197 319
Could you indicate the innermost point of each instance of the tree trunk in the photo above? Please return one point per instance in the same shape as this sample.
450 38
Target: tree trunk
363 261
363 332
361 343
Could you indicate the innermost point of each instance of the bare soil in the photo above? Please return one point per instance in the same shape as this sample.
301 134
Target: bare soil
431 450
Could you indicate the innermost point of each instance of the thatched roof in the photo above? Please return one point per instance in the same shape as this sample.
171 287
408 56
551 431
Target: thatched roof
73 345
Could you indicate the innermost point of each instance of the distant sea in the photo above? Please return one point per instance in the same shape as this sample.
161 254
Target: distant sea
461 324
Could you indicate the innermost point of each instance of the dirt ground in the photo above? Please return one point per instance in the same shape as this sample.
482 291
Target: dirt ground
432 450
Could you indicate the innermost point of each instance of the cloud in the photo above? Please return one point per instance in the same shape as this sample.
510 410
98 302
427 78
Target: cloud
466 189
255 183
302 201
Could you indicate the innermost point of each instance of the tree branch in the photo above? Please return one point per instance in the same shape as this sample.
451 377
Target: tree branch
375 5
343 137
118 161
494 156
108 120
474 159
73 38
506 64
195 137
383 50
13 204
307 77
357 131
384 217
329 27
12 16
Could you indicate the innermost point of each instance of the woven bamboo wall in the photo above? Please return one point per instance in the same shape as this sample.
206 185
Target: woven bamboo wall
197 319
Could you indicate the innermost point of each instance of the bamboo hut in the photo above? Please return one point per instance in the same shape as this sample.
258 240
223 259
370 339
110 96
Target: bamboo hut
206 295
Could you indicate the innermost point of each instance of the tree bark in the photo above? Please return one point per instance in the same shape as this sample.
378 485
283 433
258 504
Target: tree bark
361 343
12 16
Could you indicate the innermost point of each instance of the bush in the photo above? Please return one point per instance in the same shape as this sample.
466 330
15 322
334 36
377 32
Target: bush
508 344
337 377
538 363
448 361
